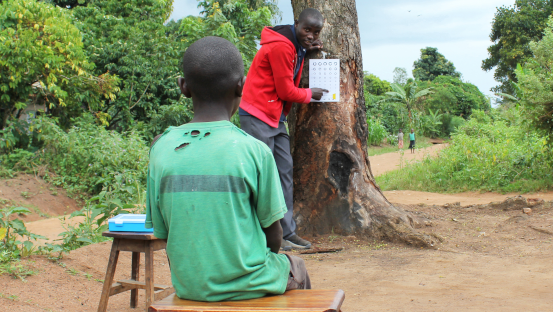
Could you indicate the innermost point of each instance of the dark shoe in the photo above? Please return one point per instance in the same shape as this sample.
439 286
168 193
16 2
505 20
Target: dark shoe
295 242
285 245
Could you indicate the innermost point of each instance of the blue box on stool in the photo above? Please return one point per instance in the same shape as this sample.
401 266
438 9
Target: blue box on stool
128 223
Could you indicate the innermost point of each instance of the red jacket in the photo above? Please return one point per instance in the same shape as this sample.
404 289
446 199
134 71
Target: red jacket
270 88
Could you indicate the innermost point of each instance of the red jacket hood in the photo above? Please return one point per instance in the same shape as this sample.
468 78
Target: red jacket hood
269 36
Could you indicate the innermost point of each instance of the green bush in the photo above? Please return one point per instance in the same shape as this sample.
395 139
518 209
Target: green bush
89 159
376 132
484 155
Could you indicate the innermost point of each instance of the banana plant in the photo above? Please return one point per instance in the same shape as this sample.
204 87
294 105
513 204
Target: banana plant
407 95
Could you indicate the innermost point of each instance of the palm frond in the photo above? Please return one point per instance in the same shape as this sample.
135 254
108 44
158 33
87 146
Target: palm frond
423 92
398 89
507 96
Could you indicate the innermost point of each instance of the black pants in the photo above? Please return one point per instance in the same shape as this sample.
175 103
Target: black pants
277 140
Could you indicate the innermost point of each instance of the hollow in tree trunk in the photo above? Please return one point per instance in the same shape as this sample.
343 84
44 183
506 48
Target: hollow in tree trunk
334 188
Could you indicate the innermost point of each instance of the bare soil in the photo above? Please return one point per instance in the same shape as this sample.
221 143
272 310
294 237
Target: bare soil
42 199
490 260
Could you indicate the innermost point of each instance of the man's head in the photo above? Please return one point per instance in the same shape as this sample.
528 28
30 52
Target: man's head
308 27
213 74
411 130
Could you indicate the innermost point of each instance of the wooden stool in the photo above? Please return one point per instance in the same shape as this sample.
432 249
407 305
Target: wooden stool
136 243
305 300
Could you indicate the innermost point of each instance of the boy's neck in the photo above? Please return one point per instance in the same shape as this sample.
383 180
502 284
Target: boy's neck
209 112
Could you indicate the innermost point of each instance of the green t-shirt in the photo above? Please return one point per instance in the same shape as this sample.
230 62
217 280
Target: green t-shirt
210 199
411 136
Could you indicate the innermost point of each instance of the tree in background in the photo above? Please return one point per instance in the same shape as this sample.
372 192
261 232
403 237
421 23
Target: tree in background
432 64
130 40
400 76
240 22
512 30
454 97
375 85
42 61
535 84
408 95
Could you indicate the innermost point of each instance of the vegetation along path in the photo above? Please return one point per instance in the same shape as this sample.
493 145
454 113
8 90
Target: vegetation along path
383 163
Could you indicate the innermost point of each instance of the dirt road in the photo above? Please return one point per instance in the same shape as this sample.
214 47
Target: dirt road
383 163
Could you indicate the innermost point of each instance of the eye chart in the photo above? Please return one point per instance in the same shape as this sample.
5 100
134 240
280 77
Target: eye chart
325 74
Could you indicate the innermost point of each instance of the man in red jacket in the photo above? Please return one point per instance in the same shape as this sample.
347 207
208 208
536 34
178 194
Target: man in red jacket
270 90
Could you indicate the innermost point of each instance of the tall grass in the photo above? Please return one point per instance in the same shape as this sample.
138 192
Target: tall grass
483 156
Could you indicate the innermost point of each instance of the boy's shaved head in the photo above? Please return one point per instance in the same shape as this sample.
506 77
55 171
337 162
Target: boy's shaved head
212 66
311 14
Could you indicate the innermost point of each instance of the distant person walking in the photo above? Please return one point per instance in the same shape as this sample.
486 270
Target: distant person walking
412 141
400 138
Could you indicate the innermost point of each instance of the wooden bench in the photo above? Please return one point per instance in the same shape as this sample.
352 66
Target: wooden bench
135 243
305 300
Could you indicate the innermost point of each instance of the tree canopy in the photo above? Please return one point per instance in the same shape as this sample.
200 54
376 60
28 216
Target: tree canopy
42 61
513 28
400 76
432 64
452 96
375 85
237 21
535 84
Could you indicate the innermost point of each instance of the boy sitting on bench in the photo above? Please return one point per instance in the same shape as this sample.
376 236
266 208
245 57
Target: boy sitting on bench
214 191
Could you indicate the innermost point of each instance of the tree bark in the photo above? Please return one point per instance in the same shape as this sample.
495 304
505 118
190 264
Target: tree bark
334 189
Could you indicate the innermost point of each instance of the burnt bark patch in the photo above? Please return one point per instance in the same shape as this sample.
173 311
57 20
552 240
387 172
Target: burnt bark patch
339 171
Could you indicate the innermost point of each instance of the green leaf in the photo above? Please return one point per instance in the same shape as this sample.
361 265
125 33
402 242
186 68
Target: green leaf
18 210
28 245
84 240
18 225
3 232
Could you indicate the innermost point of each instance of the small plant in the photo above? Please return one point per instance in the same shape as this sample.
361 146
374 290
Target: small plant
25 195
11 231
72 271
332 236
16 270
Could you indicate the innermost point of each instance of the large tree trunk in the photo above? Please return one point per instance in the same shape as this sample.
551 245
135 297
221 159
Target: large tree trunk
333 183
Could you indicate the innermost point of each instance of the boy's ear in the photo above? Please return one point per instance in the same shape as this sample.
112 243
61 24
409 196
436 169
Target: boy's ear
296 23
239 88
183 87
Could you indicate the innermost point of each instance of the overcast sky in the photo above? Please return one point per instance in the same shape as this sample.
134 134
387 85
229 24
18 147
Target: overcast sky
391 36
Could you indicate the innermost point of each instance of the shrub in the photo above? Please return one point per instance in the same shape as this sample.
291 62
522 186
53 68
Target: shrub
88 159
484 155
376 132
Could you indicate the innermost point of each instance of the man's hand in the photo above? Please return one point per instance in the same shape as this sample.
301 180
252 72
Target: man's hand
317 93
316 45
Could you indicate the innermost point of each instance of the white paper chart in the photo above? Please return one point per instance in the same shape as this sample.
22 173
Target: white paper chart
325 74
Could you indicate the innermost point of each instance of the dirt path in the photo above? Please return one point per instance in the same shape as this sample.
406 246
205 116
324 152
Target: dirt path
466 198
390 161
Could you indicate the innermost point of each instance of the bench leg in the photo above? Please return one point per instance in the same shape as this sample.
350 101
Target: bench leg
135 264
110 270
149 274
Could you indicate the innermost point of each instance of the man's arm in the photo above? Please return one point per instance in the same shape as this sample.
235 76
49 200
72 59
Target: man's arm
282 64
274 233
